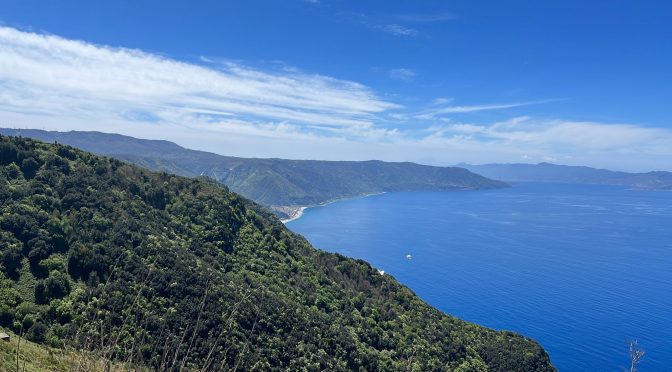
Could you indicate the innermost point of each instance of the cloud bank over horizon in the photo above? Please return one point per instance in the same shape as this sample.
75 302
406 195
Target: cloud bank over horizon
53 83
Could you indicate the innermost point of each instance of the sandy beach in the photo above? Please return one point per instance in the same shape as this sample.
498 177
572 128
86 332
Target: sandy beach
295 212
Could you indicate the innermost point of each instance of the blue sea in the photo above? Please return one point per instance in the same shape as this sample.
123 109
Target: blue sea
580 268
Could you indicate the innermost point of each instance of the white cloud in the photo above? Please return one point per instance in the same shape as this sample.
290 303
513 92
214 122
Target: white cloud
398 24
427 18
617 146
436 111
78 77
382 24
441 101
398 30
404 74
52 83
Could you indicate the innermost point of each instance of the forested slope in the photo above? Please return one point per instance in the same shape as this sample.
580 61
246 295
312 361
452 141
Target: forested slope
164 271
271 182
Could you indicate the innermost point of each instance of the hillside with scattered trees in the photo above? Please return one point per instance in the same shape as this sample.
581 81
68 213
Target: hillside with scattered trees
171 273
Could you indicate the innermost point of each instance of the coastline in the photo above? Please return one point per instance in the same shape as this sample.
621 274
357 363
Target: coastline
295 212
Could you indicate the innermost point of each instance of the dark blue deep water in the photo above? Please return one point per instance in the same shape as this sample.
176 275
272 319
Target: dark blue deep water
579 268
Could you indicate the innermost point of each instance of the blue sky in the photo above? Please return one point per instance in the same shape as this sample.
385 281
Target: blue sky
437 82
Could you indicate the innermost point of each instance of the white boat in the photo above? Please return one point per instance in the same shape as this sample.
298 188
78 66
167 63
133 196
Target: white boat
409 257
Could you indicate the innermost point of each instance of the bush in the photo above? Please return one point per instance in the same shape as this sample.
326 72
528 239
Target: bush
37 333
12 256
30 167
56 286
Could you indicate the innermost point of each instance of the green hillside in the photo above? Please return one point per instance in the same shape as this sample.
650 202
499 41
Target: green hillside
163 271
271 182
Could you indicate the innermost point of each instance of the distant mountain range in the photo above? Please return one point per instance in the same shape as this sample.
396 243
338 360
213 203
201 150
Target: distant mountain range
547 172
275 183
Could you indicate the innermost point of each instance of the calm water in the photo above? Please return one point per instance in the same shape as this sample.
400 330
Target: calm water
579 268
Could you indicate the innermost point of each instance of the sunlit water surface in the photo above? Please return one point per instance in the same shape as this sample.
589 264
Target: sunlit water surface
579 268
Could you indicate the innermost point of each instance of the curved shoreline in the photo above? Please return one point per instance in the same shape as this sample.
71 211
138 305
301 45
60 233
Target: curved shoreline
295 212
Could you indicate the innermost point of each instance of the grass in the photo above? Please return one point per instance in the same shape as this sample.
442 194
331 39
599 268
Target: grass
39 358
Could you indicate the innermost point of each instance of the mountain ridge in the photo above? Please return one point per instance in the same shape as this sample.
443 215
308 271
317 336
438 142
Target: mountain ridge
549 172
271 182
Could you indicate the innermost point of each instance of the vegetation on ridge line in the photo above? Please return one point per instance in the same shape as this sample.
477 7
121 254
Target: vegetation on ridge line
168 272
271 182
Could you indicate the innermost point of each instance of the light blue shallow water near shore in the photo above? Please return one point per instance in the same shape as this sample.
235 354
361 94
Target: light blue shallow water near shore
580 268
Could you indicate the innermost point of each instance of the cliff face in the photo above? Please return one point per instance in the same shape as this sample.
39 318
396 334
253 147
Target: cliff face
165 271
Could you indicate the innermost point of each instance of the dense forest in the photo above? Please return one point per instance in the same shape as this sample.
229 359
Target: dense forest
271 182
169 272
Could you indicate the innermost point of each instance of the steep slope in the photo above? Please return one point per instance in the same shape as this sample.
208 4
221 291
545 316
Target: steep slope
164 271
547 172
271 182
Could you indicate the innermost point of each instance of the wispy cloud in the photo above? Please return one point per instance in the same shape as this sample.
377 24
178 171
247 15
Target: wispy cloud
396 29
404 74
385 25
525 139
400 24
456 109
427 18
81 78
441 101
58 84
560 137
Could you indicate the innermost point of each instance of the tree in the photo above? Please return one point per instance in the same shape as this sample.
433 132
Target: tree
57 285
9 298
11 257
37 333
30 167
